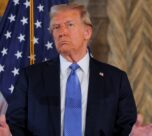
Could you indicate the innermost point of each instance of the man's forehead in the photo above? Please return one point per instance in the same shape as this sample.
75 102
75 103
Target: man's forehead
67 15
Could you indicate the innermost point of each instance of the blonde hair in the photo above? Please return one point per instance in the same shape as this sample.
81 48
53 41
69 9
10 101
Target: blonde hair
84 14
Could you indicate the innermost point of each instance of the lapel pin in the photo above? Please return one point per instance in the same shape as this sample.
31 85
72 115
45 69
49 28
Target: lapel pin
101 74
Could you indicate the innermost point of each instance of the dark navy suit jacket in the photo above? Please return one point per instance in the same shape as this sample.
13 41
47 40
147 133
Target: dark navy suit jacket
35 106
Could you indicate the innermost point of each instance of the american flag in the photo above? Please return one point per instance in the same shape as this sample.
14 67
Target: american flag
15 42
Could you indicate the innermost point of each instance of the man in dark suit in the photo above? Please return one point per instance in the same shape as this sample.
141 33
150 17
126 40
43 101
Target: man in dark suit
39 102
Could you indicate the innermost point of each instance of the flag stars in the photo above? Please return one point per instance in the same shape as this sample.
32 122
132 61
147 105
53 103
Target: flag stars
1 68
16 2
49 29
27 3
32 57
49 45
11 18
45 59
8 35
11 88
18 54
38 24
15 71
4 51
21 38
36 40
41 8
24 21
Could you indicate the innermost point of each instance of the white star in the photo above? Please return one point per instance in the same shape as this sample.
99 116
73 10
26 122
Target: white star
49 45
15 71
36 40
32 57
21 38
11 88
49 29
40 7
4 51
11 18
1 68
45 59
18 54
38 24
8 34
24 20
16 2
27 3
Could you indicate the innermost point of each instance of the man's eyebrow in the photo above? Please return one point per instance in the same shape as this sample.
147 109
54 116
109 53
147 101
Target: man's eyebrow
55 24
68 21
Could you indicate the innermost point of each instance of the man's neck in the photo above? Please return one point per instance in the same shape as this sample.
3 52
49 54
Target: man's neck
73 57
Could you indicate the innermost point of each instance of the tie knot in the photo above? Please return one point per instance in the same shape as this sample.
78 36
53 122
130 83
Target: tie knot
74 66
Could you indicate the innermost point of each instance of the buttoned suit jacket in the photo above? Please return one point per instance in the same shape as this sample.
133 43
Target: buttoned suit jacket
35 106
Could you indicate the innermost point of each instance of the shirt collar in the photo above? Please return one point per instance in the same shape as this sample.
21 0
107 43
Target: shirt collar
83 63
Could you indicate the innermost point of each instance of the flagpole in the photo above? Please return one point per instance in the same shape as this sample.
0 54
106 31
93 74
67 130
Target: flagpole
31 32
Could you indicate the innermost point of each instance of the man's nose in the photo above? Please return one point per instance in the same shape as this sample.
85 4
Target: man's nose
63 31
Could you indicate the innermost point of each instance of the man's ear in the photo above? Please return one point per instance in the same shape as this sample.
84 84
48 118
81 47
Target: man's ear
88 32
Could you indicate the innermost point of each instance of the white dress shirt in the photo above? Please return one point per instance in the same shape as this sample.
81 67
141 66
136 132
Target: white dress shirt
83 75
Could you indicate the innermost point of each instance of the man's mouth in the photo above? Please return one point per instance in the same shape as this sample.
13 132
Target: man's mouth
64 42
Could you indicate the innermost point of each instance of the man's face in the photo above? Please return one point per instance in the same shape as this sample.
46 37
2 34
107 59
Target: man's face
70 34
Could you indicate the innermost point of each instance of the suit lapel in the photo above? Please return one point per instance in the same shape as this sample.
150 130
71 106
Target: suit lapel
95 94
52 88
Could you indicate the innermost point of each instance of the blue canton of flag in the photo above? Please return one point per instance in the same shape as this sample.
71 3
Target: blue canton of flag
14 39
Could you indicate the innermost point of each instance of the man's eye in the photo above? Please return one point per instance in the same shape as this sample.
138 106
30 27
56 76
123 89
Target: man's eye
70 24
55 27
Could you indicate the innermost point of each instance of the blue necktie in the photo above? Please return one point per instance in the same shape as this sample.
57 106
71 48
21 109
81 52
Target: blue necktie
73 113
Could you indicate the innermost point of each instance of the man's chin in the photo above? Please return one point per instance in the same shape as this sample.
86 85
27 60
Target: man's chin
64 51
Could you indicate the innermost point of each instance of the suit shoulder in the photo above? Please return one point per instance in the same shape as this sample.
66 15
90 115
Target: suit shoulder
40 66
107 67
